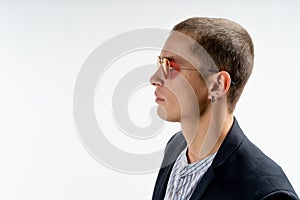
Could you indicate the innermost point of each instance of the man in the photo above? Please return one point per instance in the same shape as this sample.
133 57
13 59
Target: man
203 68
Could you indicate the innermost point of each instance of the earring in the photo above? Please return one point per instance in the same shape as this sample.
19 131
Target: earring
213 99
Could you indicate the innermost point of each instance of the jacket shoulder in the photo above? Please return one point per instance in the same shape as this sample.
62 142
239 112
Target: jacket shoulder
250 171
282 195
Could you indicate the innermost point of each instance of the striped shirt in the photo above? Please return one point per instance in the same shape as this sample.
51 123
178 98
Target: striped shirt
184 177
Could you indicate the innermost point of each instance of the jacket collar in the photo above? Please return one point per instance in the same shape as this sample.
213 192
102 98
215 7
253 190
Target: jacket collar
231 142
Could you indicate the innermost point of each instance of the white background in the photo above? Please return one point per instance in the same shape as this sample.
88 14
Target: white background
42 47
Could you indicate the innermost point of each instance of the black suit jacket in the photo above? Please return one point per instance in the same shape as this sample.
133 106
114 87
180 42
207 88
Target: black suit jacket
240 171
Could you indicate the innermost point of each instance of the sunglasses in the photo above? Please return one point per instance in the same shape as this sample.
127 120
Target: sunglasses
168 66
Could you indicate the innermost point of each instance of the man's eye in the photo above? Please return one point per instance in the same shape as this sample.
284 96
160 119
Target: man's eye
174 66
172 69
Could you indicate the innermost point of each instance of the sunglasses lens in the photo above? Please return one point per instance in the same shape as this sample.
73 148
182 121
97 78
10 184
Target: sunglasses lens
158 62
166 65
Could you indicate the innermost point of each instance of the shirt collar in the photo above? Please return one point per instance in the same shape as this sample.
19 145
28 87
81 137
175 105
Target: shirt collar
192 168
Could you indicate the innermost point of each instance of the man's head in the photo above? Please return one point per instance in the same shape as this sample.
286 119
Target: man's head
214 45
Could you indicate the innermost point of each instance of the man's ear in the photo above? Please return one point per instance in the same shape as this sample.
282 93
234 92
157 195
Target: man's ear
219 85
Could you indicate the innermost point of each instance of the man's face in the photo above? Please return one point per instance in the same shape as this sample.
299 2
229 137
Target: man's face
183 93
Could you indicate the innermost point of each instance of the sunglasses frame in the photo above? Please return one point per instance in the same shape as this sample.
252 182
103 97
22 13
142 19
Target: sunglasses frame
167 67
165 63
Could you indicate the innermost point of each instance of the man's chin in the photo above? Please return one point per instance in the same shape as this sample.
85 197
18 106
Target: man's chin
163 114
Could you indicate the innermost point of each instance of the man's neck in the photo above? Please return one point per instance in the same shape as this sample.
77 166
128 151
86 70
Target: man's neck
205 135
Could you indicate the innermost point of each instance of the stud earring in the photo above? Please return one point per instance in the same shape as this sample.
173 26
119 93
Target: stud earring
213 99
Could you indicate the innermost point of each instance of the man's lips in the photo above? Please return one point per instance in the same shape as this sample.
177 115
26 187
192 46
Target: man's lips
158 98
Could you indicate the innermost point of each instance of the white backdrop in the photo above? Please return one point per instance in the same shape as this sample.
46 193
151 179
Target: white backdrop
43 45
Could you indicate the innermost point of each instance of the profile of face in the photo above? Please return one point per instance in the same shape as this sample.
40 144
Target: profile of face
181 92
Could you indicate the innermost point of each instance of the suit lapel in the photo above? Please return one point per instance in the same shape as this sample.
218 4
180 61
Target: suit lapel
162 182
203 184
173 149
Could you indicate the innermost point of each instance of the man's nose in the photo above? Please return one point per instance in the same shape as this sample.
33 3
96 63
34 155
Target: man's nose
156 79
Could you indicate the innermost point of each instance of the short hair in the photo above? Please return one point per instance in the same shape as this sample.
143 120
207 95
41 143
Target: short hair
230 47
